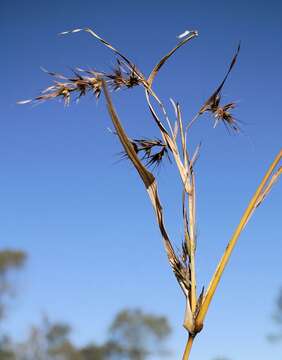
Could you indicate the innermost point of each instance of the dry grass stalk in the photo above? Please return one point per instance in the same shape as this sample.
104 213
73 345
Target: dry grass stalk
145 152
263 189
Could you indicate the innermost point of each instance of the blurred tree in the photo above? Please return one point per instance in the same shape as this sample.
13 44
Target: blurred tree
109 350
6 352
34 348
10 260
58 342
139 335
52 342
92 352
133 335
277 317
48 342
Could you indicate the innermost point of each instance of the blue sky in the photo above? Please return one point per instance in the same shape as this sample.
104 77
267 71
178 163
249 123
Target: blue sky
85 220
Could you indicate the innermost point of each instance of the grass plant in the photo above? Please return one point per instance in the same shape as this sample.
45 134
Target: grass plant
144 153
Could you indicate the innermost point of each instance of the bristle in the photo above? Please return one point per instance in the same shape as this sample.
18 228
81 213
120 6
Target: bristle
83 82
121 77
147 149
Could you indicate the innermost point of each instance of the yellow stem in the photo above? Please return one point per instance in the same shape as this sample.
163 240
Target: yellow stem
188 348
224 260
191 199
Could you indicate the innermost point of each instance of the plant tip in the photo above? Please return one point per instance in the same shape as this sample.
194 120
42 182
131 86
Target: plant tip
184 34
22 102
70 32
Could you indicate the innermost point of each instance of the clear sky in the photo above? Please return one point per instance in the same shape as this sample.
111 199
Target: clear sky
85 220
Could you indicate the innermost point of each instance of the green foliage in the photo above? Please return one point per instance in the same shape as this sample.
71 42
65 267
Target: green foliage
109 350
10 260
6 355
6 352
277 317
92 352
139 334
47 342
57 336
278 311
133 335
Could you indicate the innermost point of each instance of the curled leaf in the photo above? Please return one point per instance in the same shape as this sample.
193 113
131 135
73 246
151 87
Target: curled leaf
152 151
214 98
168 55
